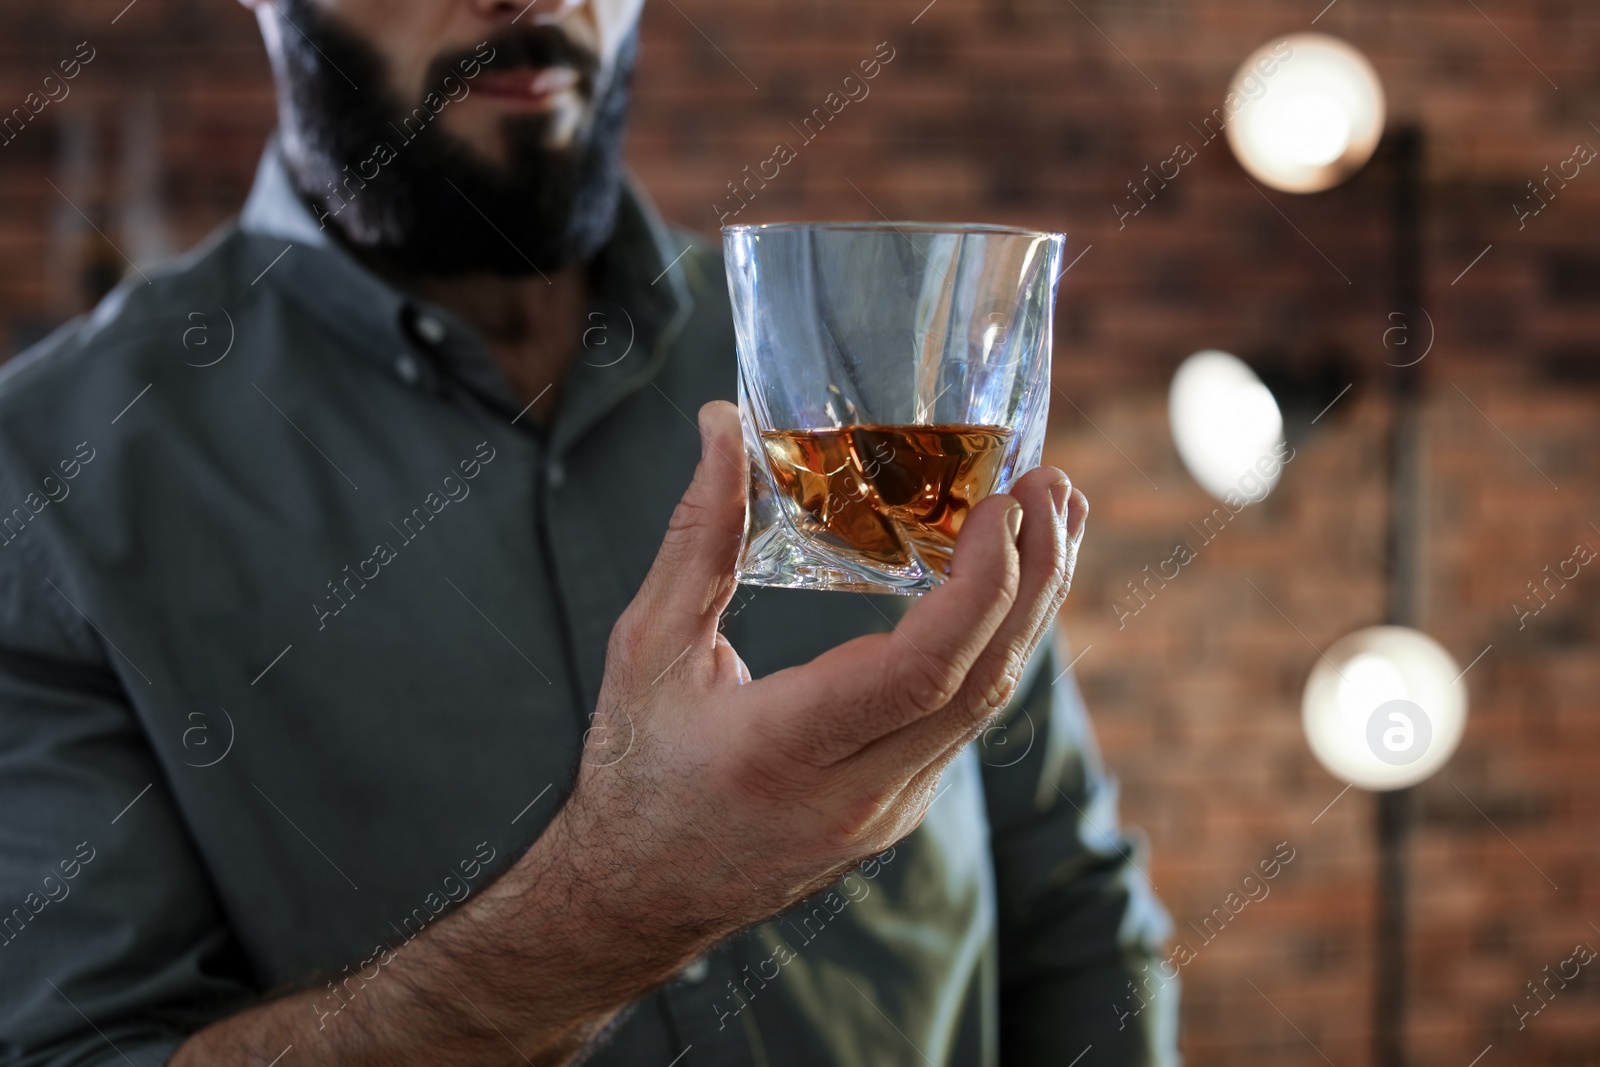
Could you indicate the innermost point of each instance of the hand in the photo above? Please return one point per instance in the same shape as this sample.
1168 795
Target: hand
708 800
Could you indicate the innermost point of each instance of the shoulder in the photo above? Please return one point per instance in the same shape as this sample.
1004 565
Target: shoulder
72 415
164 316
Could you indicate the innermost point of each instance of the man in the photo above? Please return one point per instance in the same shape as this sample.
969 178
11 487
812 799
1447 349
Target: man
346 719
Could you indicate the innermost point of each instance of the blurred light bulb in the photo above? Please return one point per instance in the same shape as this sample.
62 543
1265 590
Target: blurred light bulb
1310 114
1226 425
1367 681
1313 129
1384 708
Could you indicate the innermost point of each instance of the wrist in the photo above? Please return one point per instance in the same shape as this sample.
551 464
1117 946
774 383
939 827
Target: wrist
585 910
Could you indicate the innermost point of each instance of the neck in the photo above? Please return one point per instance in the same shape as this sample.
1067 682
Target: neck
532 325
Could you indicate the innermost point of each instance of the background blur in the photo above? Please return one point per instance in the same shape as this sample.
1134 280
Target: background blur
1041 112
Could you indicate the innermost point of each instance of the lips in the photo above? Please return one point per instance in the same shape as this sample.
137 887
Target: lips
529 89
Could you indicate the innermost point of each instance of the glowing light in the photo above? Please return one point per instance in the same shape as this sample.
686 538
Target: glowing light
1313 129
1226 425
1367 681
1384 708
1310 110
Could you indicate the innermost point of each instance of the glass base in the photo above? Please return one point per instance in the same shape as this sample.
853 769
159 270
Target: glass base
782 557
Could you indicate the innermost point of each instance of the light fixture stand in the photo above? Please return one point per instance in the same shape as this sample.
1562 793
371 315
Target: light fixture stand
1405 590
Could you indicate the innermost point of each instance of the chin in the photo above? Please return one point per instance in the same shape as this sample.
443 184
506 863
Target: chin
492 144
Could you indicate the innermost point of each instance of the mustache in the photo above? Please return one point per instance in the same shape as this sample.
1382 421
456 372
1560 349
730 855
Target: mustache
520 48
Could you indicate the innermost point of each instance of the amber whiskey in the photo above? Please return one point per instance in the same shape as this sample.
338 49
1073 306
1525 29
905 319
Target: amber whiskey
888 495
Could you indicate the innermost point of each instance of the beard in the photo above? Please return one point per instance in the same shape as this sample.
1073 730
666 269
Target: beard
401 189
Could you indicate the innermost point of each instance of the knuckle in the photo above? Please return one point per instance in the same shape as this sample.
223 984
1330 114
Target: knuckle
925 682
1052 580
1055 559
914 802
857 819
1044 569
990 688
688 518
627 638
1061 594
997 696
1008 589
1058 594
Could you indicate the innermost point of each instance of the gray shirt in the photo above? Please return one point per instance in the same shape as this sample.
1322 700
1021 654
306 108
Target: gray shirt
302 616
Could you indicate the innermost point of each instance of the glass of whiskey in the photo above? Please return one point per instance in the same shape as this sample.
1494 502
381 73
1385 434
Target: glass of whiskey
890 377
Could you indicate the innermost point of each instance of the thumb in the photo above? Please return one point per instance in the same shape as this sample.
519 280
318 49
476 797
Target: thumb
692 578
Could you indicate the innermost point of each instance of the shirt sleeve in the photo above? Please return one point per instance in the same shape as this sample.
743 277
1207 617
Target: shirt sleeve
1080 928
112 945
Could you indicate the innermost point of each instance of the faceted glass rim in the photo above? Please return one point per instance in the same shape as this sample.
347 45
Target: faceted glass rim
943 228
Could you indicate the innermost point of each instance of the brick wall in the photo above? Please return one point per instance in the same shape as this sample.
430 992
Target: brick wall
1040 113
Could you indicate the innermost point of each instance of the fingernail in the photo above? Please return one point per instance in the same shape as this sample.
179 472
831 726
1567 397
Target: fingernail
1058 496
1078 519
1014 521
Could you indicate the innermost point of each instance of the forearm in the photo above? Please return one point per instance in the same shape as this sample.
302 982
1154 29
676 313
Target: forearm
530 970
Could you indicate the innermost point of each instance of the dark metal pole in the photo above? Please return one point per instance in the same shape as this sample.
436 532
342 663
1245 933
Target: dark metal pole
1394 809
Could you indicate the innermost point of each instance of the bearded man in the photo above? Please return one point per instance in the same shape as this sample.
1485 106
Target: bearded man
369 695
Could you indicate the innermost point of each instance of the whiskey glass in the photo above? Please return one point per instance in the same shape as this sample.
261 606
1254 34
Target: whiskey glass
890 377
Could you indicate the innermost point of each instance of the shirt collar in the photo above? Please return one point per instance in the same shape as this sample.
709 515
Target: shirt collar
274 209
640 280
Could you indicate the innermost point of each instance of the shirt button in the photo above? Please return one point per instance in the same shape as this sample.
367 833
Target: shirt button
406 367
556 473
696 971
430 329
